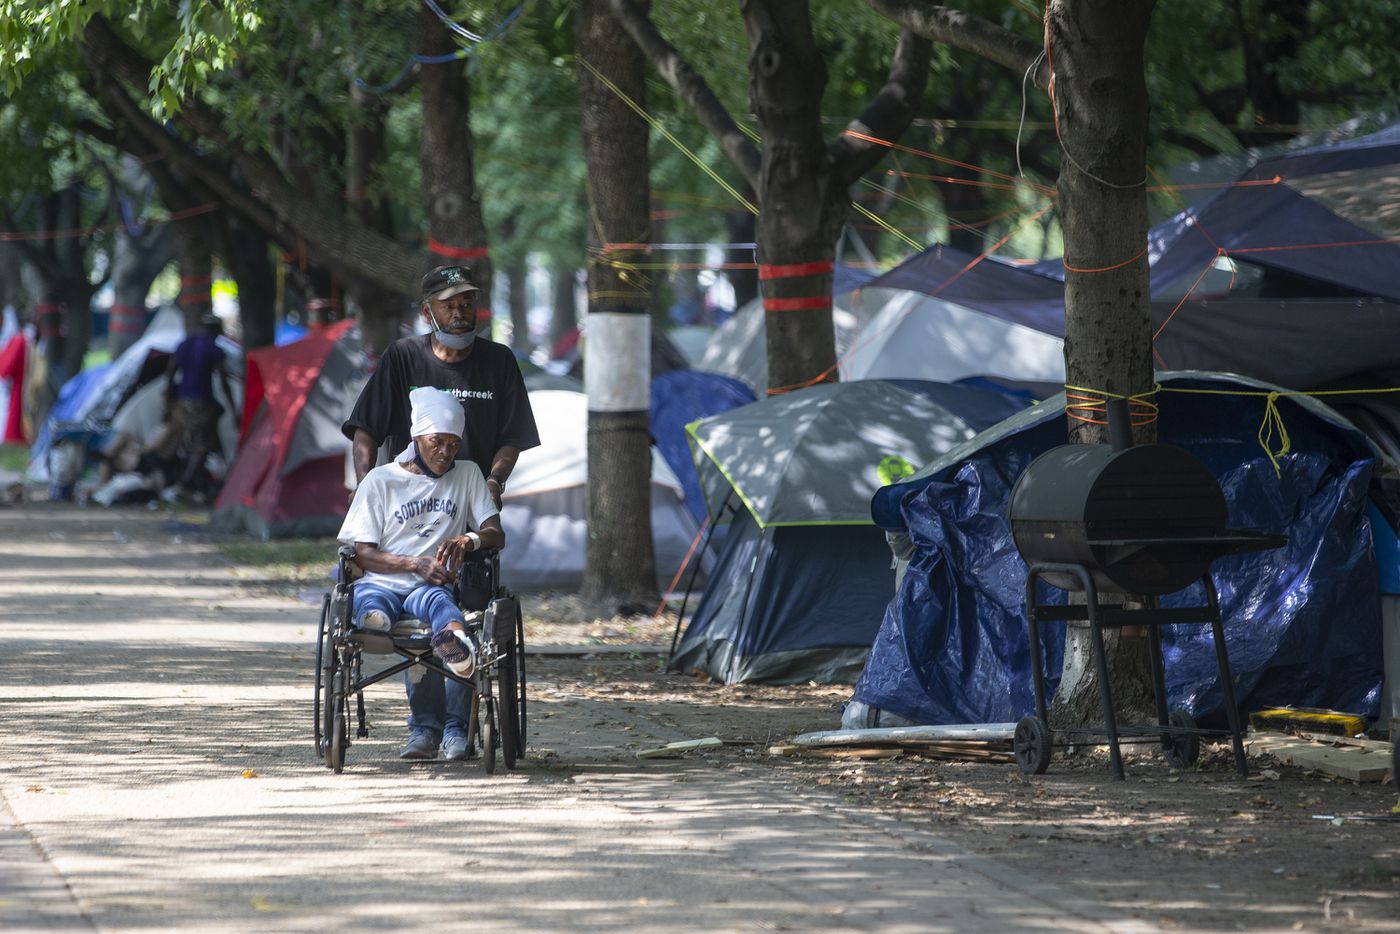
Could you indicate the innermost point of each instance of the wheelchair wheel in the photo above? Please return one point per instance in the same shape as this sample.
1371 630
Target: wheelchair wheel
488 735
506 690
340 738
519 654
322 650
336 717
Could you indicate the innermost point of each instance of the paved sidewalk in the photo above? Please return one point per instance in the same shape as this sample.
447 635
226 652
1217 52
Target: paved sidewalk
138 688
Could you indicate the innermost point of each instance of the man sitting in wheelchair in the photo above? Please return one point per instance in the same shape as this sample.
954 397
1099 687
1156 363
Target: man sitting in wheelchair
412 522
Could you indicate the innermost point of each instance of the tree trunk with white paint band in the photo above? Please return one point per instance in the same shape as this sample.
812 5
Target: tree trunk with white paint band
621 565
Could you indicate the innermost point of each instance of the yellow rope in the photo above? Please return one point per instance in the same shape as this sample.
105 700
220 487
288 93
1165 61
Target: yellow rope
1273 433
656 125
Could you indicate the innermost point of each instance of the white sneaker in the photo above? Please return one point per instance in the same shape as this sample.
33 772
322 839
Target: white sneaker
457 651
375 621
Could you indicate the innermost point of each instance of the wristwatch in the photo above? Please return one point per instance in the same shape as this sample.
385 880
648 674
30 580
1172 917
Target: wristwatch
498 481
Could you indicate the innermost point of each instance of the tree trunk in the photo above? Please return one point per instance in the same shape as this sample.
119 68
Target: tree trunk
248 255
519 307
11 287
194 251
137 258
63 311
563 303
452 204
381 311
621 566
1100 98
803 204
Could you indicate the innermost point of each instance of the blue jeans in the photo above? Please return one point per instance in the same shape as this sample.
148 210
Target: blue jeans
436 704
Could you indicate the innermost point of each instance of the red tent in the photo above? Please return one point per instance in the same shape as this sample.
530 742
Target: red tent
288 477
12 373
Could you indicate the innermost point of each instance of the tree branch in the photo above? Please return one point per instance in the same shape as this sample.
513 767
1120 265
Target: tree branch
970 33
888 115
689 86
274 204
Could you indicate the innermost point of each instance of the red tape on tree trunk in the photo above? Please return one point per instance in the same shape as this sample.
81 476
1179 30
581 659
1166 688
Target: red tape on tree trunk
456 252
792 270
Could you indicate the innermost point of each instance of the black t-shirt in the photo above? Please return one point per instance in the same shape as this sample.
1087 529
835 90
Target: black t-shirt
488 384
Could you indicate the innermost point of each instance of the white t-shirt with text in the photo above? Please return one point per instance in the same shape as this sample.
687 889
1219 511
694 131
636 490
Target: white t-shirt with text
406 513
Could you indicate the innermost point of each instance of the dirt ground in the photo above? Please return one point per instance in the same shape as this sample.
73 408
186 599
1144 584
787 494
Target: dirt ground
1198 850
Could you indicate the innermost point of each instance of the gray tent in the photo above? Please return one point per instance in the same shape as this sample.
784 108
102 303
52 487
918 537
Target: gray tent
803 578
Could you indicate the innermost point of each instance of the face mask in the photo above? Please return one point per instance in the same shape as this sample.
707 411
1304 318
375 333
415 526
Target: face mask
451 341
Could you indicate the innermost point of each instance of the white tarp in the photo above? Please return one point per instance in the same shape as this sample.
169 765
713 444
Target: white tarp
914 336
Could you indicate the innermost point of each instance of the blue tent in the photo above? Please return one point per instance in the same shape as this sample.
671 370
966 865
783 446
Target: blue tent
1302 623
679 398
1323 214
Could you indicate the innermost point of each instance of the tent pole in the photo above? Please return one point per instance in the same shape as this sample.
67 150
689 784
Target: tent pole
690 584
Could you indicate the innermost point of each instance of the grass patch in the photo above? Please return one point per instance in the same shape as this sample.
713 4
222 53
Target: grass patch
14 457
289 561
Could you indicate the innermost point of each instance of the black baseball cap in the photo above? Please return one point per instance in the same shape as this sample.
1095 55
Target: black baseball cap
447 281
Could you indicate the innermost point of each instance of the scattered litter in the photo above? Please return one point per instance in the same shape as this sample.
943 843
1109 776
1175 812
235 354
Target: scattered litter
249 773
1337 820
674 750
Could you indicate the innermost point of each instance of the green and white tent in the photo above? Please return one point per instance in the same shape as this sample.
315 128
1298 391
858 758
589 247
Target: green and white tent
803 576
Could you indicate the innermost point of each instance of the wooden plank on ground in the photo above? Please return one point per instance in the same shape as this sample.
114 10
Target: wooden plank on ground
851 752
1354 764
899 734
574 651
1379 745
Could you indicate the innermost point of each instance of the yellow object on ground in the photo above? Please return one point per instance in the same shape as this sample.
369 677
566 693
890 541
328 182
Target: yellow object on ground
1308 718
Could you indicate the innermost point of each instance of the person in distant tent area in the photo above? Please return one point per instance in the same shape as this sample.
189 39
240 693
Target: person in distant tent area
485 379
192 408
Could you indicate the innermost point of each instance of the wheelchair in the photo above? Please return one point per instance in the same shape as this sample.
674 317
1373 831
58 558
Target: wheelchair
496 719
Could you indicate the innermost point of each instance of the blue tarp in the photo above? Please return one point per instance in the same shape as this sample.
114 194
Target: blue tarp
1302 623
66 416
679 398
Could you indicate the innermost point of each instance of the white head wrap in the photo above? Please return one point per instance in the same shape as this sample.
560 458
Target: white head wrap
435 412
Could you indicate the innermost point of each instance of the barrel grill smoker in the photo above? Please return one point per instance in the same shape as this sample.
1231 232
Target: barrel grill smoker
1143 521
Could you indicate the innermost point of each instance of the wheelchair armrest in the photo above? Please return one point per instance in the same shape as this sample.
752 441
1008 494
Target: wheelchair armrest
347 571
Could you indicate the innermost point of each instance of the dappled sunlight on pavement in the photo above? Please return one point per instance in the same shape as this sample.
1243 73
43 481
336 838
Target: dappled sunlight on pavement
157 772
